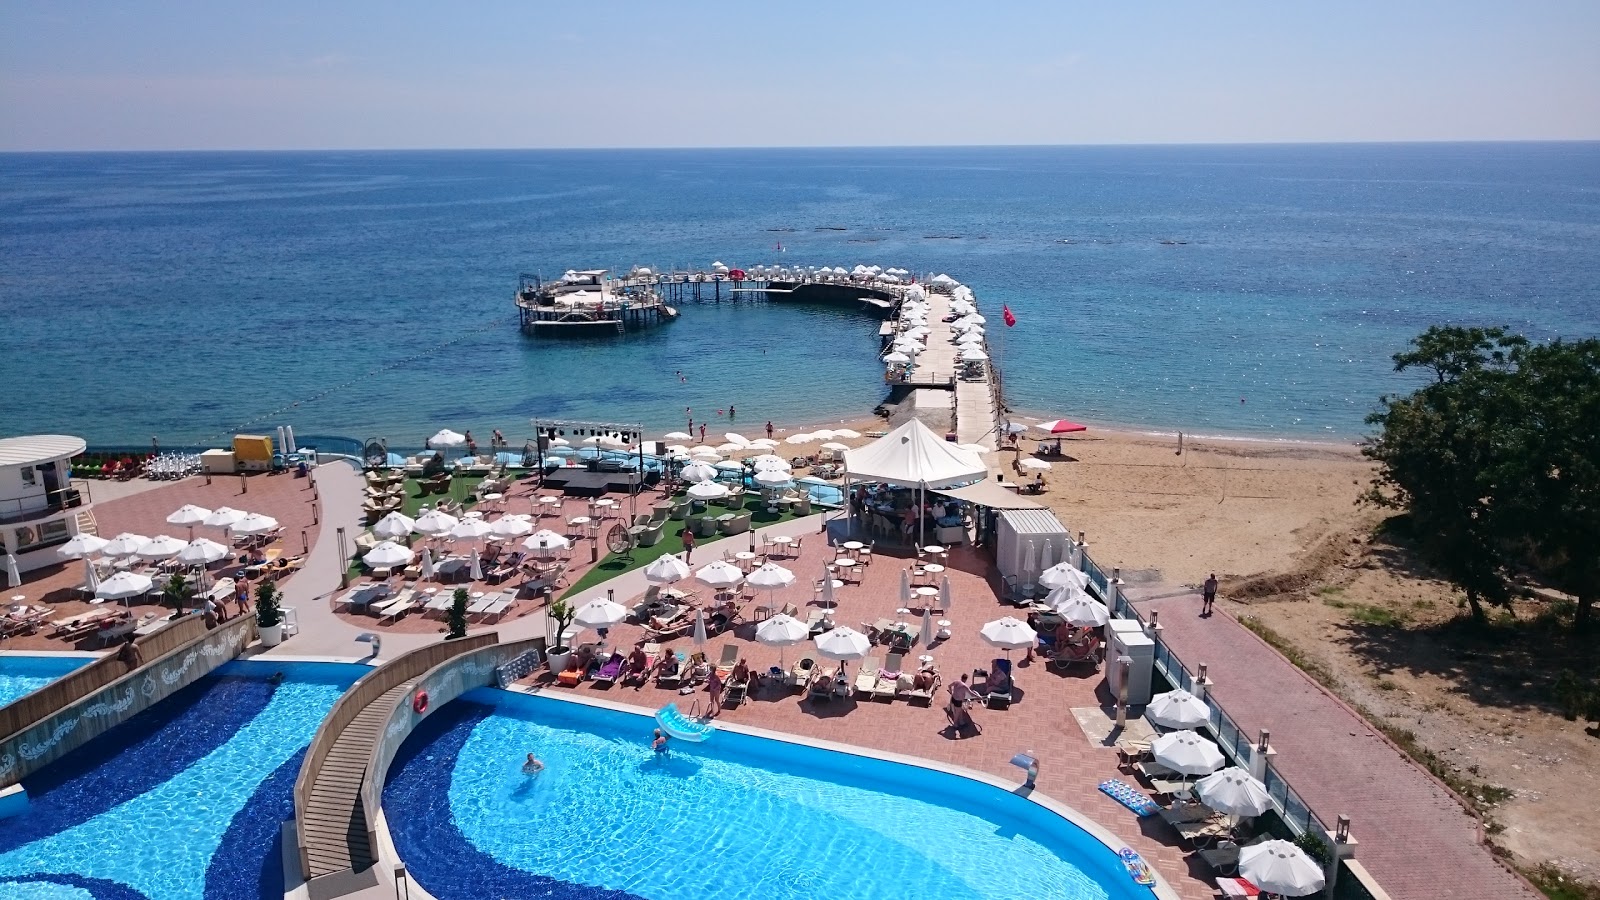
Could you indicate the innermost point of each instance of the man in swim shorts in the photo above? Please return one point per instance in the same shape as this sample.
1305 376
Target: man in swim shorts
659 745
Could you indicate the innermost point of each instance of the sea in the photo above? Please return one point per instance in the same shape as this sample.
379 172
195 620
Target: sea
1250 291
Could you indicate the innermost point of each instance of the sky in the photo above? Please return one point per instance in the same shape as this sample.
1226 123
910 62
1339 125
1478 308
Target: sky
378 74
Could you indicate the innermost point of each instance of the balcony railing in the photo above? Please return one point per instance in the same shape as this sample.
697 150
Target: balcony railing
30 508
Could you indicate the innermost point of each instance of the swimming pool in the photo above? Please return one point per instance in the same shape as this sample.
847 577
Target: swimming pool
22 675
184 800
734 818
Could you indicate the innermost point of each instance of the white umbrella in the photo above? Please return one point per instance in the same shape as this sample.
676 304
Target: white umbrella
843 644
475 567
698 472
730 449
770 462
223 517
944 593
720 574
739 439
13 574
124 544
1078 607
782 631
82 544
122 586
1279 867
1030 555
699 637
91 578
545 542
846 433
905 588
388 555
161 546
427 564
835 445
827 588
667 569
764 443
730 466
434 523
771 577
1063 574
394 525
707 490
189 515
1046 554
510 526
1008 634
600 613
1186 752
446 438
703 450
799 439
897 357
823 434
973 354
772 478
1232 791
1178 709
1034 463
470 529
677 436
927 627
254 523
202 552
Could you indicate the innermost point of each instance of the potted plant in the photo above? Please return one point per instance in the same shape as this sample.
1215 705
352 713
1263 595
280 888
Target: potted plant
561 613
269 616
458 614
176 590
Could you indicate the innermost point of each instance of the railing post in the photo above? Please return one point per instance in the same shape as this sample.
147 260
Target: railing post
1202 683
1261 755
1078 551
1341 847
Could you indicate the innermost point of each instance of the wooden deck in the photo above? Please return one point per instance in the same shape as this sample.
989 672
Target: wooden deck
335 823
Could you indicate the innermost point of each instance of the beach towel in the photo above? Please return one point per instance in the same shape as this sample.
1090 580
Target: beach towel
608 672
1129 796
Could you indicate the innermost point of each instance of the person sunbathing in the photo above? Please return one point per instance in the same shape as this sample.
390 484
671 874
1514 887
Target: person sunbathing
583 660
668 667
924 680
998 682
699 667
741 674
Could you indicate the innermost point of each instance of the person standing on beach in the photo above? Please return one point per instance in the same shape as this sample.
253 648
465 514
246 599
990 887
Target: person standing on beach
1208 593
769 429
702 432
730 412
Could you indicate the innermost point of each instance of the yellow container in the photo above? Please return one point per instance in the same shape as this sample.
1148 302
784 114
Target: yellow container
252 448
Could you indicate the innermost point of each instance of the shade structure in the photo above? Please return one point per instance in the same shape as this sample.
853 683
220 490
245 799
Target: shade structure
770 577
1232 791
803 438
434 523
905 588
162 546
703 450
827 589
600 613
719 574
974 448
1060 426
677 436
667 569
1080 609
823 434
446 438
475 567
927 627
843 644
1178 709
223 517
973 354
848 434
546 543
697 472
394 525
1063 574
707 490
510 526
1186 752
13 573
731 465
913 456
768 462
945 593
188 514
470 529
1033 463
699 636
772 478
91 578
735 438
123 585
1008 634
427 564
388 555
730 449
81 545
764 443
202 552
254 523
782 631
124 544
1279 867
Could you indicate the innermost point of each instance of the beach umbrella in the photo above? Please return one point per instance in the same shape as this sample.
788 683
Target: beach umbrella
772 478
770 577
707 490
1186 752
82 544
13 573
124 544
510 526
123 586
703 450
827 588
699 636
973 354
720 575
768 462
945 593
1047 553
427 564
394 526
1029 557
1016 428
475 567
254 523
835 445
698 472
927 627
445 439
1233 792
600 613
1078 607
189 515
162 546
823 434
730 466
734 438
1008 634
434 523
677 436
1060 426
676 450
846 433
896 357
1279 867
905 588
389 555
782 631
843 644
202 552
1033 463
764 443
1063 574
730 448
1178 709
470 529
974 319
91 578
667 569
546 543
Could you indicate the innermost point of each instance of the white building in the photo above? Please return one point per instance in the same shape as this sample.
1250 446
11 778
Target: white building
38 505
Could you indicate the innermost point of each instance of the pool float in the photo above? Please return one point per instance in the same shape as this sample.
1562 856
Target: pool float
1137 868
1129 796
677 725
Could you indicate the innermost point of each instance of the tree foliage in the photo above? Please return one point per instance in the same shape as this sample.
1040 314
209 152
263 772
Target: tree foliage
1497 460
457 618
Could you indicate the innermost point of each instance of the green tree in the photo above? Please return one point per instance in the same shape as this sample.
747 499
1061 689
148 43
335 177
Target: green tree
561 613
268 612
177 590
458 613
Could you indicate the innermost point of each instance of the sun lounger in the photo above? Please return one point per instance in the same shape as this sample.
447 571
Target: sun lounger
800 672
674 679
1130 752
1184 813
1000 698
608 673
497 606
926 694
889 679
818 620
665 629
395 609
867 676
822 682
1224 858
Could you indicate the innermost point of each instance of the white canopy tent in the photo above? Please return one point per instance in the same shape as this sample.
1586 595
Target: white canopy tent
913 456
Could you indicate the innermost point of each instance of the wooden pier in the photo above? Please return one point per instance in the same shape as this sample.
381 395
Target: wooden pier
588 303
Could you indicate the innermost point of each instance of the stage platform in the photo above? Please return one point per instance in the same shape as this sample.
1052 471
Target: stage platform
576 482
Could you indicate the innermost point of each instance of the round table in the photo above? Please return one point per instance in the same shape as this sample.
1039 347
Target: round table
944 629
493 498
577 521
477 595
549 504
472 515
844 563
933 550
852 545
933 568
783 541
927 592
605 503
925 658
744 556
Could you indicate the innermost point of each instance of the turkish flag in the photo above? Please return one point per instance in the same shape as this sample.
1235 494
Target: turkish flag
1005 313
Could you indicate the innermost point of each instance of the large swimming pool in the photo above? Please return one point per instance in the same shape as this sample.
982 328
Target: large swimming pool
183 801
22 675
736 818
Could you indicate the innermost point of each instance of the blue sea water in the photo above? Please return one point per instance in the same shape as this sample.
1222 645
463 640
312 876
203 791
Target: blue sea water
1256 290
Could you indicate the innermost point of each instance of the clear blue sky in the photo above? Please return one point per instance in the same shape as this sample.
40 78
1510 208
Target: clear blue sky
159 74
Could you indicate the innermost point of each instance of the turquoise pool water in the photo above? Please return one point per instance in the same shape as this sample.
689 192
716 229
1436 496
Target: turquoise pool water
735 818
22 675
182 801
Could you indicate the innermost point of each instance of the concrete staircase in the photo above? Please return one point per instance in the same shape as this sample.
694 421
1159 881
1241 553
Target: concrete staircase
86 523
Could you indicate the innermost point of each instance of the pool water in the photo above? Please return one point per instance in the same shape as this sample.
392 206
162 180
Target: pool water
184 800
735 818
22 675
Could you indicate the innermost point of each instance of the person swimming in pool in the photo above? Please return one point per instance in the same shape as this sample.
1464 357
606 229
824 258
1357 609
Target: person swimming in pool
659 744
532 766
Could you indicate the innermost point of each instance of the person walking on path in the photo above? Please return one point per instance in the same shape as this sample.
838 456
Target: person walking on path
714 689
688 544
1208 593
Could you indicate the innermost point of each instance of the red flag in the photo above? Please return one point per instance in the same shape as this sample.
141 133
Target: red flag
1005 313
